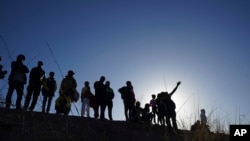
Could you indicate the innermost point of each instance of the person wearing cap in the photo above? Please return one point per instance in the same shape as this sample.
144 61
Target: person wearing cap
2 72
48 91
66 91
37 74
17 80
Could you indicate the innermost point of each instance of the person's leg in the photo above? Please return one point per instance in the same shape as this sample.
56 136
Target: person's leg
9 94
28 96
168 121
87 107
35 97
49 104
173 118
110 107
103 108
126 108
83 107
19 90
44 102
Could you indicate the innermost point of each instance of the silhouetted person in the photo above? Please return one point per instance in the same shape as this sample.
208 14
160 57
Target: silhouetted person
93 104
203 117
170 108
85 98
154 108
109 99
2 72
136 113
66 94
17 79
146 114
48 91
196 126
128 97
162 113
100 95
37 75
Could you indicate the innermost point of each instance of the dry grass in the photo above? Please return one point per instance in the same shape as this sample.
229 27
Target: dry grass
21 125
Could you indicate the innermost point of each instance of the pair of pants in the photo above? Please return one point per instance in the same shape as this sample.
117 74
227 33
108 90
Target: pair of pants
102 106
110 107
32 91
128 107
18 86
85 107
45 100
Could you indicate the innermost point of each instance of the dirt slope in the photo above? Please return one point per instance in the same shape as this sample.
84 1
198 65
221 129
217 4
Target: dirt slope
21 125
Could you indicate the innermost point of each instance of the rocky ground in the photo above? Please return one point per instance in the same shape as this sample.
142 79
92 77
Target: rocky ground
23 125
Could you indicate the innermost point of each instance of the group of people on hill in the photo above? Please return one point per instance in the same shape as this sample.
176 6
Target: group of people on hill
102 99
37 82
47 86
161 104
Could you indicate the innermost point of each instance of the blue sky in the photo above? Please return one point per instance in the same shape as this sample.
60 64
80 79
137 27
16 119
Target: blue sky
154 44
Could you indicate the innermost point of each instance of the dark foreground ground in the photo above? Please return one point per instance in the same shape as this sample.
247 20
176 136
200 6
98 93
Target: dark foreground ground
26 126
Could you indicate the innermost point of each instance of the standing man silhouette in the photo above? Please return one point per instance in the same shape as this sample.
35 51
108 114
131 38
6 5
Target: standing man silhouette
17 79
48 91
109 99
128 97
37 75
100 93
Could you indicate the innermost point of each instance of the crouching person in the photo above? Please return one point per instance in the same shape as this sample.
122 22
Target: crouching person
66 94
63 104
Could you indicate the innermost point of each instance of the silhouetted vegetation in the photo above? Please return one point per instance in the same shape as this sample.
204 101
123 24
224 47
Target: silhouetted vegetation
27 125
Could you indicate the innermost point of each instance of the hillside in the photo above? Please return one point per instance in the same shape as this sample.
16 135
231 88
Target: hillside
21 125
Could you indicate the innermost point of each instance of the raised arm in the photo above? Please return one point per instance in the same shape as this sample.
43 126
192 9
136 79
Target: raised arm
173 91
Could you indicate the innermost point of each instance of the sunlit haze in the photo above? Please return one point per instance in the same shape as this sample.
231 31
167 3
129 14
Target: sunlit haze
154 44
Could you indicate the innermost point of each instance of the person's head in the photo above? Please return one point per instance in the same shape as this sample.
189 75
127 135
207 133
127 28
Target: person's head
107 83
71 73
147 106
20 58
203 111
153 96
137 104
39 63
86 83
198 122
102 78
51 74
128 83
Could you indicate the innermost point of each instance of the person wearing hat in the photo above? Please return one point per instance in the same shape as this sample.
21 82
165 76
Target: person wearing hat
67 91
17 79
48 91
37 74
2 72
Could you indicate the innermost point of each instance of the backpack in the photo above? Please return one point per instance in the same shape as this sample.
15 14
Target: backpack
76 96
62 102
123 91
